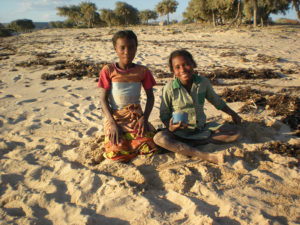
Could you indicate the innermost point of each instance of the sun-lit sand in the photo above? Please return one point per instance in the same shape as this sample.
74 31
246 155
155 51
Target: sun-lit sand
52 171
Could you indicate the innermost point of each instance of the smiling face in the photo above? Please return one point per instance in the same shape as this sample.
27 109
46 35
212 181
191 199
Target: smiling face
183 69
126 50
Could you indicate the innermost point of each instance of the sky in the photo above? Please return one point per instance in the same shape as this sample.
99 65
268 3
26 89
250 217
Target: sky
45 10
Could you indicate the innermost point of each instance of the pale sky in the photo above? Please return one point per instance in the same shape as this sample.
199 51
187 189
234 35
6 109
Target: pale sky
45 10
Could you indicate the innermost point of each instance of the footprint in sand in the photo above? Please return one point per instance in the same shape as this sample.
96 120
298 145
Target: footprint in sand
66 104
47 89
92 107
27 101
73 115
47 121
98 117
74 106
17 78
19 118
91 131
9 96
75 96
66 87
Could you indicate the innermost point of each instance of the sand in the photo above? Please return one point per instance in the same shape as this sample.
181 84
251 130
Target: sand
51 169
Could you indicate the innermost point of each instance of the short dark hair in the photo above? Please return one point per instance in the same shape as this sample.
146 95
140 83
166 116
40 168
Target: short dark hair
185 54
129 34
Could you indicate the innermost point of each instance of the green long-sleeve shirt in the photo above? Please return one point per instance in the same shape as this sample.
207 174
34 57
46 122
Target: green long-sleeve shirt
176 98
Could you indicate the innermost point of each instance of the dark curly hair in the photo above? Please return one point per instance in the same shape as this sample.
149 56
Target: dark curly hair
185 54
129 34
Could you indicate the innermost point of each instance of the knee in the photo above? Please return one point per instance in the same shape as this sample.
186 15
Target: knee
159 137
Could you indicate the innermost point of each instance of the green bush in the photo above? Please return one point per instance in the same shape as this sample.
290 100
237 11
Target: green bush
4 32
24 25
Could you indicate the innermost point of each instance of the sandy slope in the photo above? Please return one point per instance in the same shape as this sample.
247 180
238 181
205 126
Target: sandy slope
50 130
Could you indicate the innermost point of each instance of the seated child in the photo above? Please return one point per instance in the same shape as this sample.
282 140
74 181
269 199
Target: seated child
187 93
127 131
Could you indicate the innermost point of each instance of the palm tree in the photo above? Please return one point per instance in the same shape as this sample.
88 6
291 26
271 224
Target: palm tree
165 7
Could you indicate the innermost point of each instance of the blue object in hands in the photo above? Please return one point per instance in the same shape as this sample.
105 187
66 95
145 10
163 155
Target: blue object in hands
180 116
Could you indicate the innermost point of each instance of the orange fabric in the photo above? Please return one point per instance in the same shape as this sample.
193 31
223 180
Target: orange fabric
131 144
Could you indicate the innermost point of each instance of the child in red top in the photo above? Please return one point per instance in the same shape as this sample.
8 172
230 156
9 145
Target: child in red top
127 129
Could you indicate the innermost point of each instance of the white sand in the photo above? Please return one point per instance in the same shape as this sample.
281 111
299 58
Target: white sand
49 131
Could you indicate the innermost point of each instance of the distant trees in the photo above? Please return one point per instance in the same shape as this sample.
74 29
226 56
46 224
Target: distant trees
165 7
85 15
211 10
108 16
261 9
23 25
88 12
147 15
218 11
73 14
126 13
4 32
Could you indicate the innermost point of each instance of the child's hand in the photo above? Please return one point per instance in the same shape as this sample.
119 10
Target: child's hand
174 127
141 127
115 134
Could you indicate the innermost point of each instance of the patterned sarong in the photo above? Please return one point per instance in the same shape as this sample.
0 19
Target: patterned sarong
131 145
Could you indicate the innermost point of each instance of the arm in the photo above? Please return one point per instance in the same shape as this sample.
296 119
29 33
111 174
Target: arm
221 105
114 132
142 124
235 117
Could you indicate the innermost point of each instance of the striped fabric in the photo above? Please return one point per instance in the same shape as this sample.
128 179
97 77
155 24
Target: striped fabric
125 85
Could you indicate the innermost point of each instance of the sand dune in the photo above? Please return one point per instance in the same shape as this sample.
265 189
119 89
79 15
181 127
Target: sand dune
52 171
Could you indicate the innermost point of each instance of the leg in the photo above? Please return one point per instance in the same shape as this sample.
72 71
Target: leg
226 134
167 140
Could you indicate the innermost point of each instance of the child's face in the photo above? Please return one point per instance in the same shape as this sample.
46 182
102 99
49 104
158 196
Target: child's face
125 49
183 69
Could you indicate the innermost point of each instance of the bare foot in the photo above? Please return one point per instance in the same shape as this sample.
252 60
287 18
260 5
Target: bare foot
224 138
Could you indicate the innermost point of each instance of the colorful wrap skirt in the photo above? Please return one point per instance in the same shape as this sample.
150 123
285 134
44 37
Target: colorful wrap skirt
131 144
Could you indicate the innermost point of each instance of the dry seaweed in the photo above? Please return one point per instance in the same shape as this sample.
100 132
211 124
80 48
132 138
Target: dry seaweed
281 148
78 69
240 73
281 105
162 74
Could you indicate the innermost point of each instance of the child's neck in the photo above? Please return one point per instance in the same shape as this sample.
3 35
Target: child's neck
125 66
188 85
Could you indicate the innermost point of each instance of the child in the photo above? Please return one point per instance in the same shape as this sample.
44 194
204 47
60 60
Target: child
127 131
187 94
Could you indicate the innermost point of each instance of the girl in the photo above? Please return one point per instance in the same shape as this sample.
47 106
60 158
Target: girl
187 93
127 131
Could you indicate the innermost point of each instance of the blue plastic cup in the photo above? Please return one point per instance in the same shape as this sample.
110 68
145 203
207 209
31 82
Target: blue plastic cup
180 116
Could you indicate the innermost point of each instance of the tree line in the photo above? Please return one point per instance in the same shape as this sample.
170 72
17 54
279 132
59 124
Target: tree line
255 11
86 14
217 12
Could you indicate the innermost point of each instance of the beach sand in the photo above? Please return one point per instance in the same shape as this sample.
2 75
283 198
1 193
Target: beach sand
52 171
